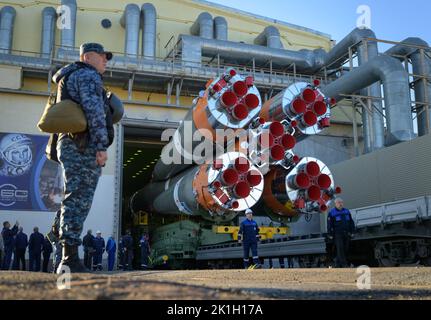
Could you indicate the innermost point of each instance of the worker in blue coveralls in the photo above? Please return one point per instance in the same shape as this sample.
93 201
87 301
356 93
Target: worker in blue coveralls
82 155
341 228
144 243
248 234
8 235
35 247
111 248
99 249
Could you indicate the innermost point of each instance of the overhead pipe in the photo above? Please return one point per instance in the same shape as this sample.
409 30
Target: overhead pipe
7 19
149 17
422 92
130 20
67 34
220 28
305 60
49 16
203 26
269 37
395 82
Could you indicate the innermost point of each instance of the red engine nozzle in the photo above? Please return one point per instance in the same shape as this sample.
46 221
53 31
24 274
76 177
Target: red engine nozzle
324 181
251 100
241 190
308 95
241 165
240 88
254 178
314 193
229 177
228 99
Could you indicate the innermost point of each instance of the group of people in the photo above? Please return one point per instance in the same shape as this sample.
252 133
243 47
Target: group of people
14 243
94 248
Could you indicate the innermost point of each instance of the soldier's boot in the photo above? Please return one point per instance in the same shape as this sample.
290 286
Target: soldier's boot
71 260
54 235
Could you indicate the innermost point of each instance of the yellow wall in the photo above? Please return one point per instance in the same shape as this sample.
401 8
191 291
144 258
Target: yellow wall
174 17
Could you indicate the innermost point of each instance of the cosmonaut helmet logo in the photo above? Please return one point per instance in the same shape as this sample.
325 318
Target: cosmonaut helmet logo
16 154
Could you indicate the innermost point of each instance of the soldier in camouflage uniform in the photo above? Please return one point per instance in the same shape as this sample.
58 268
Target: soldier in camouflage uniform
82 155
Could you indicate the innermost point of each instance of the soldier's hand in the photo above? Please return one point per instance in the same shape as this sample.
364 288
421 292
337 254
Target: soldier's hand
101 158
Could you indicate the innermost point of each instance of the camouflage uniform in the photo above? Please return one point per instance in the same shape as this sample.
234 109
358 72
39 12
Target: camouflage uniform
77 153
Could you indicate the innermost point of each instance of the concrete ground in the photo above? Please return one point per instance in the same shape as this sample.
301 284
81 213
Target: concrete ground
386 283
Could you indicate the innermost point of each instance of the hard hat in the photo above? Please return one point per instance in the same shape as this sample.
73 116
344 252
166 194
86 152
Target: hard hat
247 211
98 232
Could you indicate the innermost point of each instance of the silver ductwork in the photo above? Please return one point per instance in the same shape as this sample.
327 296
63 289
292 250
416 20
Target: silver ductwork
269 37
395 82
203 26
149 17
422 90
48 31
372 124
7 18
193 48
220 28
130 20
311 61
68 34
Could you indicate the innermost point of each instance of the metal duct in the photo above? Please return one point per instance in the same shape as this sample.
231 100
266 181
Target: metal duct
305 60
203 26
422 91
149 16
130 20
7 18
68 34
48 32
220 28
269 37
193 48
373 125
396 91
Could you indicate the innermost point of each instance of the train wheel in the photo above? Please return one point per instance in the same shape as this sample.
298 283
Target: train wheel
426 261
385 262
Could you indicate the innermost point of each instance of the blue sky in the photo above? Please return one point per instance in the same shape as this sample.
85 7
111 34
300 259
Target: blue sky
390 20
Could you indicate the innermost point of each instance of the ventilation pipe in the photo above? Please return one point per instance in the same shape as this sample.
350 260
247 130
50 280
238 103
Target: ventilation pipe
203 26
7 18
220 28
305 60
149 16
422 90
396 91
48 31
193 48
68 33
269 37
130 21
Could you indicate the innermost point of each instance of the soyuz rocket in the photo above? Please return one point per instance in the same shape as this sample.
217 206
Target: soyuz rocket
232 152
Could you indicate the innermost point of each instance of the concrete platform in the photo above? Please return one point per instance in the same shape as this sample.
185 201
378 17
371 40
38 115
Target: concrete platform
386 283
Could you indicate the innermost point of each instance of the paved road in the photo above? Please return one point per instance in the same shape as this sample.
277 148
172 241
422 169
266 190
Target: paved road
386 283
